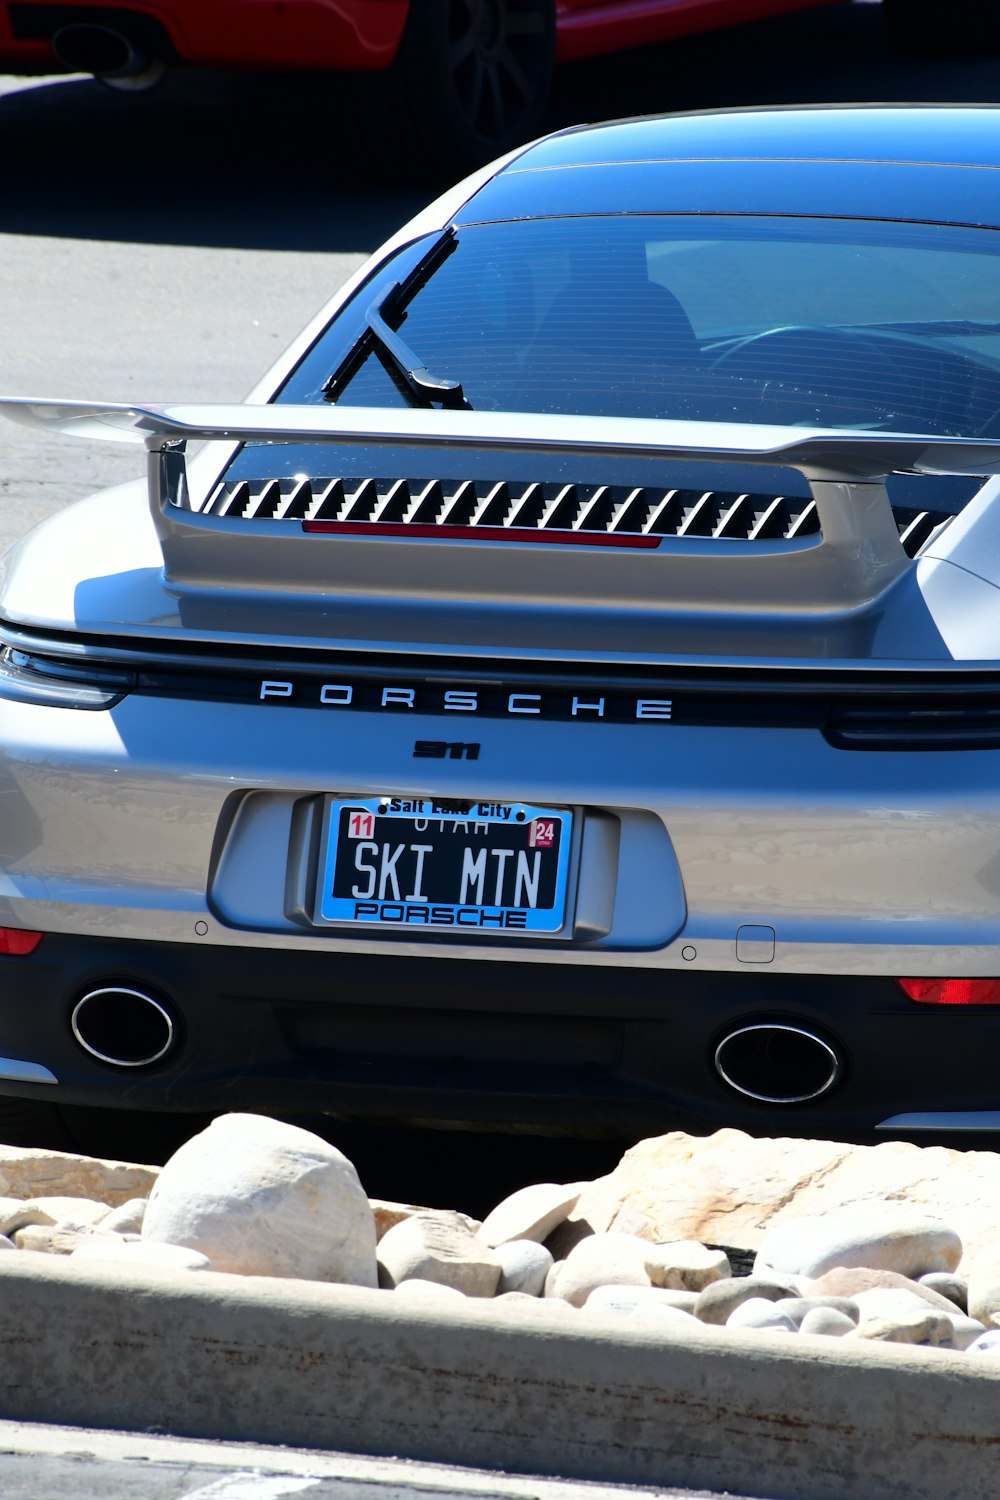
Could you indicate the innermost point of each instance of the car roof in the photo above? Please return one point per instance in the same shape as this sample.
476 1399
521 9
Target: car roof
931 163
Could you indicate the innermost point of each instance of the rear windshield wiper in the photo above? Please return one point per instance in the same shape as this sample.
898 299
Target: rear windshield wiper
411 376
421 383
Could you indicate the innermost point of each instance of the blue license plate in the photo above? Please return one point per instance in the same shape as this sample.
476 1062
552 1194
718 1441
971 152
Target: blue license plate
441 865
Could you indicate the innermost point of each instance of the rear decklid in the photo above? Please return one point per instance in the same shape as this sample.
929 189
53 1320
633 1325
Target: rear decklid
519 532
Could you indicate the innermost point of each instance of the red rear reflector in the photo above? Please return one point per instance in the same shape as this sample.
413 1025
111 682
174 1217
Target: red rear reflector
17 940
952 991
481 533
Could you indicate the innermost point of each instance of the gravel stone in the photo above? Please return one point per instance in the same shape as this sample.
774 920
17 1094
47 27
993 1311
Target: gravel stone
524 1265
760 1312
417 1289
262 1198
645 1303
848 1281
827 1322
913 1326
798 1308
600 1260
718 1301
143 1254
686 1266
532 1213
876 1238
438 1245
127 1219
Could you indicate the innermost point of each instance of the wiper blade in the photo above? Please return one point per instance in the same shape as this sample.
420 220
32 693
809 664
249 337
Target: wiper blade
423 386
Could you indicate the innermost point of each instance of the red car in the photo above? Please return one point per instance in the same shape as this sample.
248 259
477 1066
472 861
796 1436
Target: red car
463 78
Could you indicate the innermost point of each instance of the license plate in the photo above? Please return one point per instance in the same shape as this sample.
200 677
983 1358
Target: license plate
432 865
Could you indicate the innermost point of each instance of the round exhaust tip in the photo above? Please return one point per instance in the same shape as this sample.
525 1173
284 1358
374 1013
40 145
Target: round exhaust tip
122 1026
777 1063
96 49
110 55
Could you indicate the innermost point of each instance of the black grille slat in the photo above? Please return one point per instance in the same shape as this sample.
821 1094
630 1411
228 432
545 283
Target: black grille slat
330 502
461 507
429 501
634 512
530 508
363 502
565 508
265 505
396 503
496 506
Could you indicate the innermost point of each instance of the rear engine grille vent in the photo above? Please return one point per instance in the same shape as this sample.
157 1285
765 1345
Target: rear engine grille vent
476 503
547 507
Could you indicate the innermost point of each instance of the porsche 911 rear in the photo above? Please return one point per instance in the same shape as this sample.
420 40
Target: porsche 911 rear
548 708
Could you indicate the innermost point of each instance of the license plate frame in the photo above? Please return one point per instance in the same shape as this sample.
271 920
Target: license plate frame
533 862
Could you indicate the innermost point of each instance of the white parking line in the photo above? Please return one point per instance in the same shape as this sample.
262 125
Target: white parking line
251 1486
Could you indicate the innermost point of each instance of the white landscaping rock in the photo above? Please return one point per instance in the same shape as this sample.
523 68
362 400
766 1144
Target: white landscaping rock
57 1239
967 1330
718 1300
638 1301
884 1239
759 1312
731 1188
954 1288
686 1266
530 1214
524 1265
986 1343
262 1198
599 1260
419 1290
915 1325
799 1308
142 1253
885 1302
826 1322
69 1213
438 1245
984 1290
127 1219
26 1172
628 1302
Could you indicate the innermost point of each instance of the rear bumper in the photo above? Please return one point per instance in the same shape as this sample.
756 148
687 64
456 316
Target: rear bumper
584 1049
334 35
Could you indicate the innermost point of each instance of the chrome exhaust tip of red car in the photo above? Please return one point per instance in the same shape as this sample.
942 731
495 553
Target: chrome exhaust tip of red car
124 1027
777 1063
112 56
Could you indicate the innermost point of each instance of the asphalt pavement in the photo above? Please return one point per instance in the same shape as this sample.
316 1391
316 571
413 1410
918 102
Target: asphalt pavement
75 1463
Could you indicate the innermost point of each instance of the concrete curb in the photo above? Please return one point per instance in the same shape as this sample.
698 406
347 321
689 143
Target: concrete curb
512 1386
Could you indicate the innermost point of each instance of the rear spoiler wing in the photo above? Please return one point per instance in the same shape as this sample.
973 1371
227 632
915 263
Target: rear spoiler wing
855 557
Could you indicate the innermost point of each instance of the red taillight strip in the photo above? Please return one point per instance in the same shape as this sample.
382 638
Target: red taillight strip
481 533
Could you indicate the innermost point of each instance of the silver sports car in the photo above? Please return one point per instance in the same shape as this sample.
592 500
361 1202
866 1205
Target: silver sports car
566 694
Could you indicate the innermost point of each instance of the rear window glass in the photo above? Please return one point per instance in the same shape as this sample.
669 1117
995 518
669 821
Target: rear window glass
836 323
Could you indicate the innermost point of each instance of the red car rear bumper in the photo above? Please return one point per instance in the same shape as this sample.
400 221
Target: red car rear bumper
348 35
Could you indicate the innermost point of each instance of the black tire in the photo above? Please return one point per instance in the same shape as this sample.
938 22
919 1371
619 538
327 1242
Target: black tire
932 27
471 81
